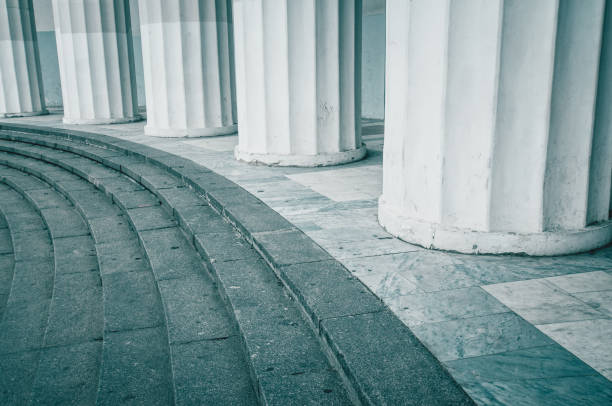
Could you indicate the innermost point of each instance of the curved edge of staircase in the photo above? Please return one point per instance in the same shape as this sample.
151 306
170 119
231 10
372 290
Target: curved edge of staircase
378 357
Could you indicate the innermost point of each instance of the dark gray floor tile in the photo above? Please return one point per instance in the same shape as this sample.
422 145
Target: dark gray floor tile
170 254
64 222
277 338
136 368
150 218
90 169
94 204
160 180
202 220
194 310
32 280
229 246
26 182
76 313
211 181
131 301
124 161
212 372
120 184
25 221
255 217
6 246
136 199
7 262
326 289
23 325
75 254
32 245
16 377
68 375
289 247
309 388
182 196
47 198
121 256
108 229
74 185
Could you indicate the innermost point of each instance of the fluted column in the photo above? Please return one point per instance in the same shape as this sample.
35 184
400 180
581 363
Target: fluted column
21 91
298 74
187 59
96 61
497 128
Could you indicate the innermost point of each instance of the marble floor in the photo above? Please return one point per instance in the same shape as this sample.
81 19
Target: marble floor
512 330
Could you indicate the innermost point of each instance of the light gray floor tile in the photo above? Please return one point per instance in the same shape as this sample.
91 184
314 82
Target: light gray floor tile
583 282
589 340
445 305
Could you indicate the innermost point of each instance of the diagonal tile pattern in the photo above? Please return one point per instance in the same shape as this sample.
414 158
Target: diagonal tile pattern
571 309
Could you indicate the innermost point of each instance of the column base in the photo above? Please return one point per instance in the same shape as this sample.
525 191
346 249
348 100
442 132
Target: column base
96 121
24 114
441 237
190 132
336 158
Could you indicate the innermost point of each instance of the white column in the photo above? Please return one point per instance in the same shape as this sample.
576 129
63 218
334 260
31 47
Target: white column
187 59
492 141
298 74
21 91
96 61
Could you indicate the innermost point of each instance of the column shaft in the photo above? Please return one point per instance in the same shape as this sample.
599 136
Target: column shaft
21 91
600 176
298 77
492 141
187 58
96 61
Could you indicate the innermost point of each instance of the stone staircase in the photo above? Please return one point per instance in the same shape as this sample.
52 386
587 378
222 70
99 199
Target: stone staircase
132 276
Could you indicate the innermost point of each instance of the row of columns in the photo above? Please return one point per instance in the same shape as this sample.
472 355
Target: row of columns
498 128
21 90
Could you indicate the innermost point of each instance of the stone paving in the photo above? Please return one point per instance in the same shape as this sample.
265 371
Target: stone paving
511 330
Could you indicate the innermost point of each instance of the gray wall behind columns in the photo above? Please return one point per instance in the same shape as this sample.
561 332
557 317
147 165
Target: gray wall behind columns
45 30
373 60
47 48
373 66
136 41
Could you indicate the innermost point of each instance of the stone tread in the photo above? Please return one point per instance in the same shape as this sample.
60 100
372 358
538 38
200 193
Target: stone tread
131 303
288 252
24 320
180 268
73 318
193 312
7 256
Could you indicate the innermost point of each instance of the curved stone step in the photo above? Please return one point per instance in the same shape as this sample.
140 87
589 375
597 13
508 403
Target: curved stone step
198 327
25 318
7 257
286 359
135 358
70 357
383 364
